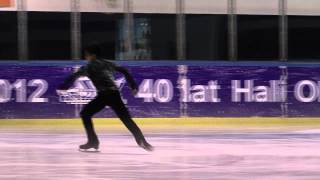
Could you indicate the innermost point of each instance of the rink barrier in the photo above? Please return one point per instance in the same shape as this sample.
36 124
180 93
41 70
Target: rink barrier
168 89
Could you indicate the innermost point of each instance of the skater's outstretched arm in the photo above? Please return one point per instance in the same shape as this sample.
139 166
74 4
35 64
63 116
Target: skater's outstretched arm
69 80
129 78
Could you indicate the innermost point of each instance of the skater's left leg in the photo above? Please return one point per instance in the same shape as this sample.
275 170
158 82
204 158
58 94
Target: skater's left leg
87 113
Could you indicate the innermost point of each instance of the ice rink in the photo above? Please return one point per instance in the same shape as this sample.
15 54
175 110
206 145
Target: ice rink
183 155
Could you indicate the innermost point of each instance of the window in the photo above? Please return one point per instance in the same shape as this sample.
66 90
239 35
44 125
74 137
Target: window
49 36
258 37
101 28
304 37
8 35
206 37
154 36
141 39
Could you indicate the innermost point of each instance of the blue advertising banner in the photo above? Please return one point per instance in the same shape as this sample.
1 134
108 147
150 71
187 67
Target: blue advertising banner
28 90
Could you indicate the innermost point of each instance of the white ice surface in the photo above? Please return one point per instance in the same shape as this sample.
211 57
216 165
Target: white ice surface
291 155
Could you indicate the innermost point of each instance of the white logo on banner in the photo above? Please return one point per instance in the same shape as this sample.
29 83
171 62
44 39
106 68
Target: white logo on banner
83 91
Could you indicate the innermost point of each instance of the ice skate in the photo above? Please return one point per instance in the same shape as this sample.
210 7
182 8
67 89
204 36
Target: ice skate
146 146
89 147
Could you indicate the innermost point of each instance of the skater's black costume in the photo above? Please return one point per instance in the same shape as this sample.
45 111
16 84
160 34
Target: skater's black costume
100 72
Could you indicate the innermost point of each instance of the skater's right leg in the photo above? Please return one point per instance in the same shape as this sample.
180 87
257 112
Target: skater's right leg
86 114
122 112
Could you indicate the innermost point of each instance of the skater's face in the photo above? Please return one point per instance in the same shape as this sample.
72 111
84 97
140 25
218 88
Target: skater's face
89 56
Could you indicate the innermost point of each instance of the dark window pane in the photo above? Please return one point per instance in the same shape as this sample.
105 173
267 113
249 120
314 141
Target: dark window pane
258 37
304 38
102 29
154 37
163 37
8 36
141 39
49 36
206 37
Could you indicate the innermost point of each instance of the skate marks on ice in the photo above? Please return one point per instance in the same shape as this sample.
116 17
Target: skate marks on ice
293 155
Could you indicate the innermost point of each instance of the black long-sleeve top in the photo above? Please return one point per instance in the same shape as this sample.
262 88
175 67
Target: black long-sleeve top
100 72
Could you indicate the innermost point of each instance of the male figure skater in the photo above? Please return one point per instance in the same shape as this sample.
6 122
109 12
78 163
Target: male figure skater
100 72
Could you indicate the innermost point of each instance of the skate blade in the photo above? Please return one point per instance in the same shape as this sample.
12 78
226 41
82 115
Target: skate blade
147 148
91 150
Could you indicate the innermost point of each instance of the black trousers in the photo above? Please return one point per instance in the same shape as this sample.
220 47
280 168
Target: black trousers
112 99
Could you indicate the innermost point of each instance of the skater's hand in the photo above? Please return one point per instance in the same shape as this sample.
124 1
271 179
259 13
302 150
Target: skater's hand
134 92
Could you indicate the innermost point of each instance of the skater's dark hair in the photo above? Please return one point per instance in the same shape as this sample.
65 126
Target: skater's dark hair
93 49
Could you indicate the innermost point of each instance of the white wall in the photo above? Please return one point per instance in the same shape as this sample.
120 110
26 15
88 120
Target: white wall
304 7
268 7
206 6
115 6
265 7
48 5
154 6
